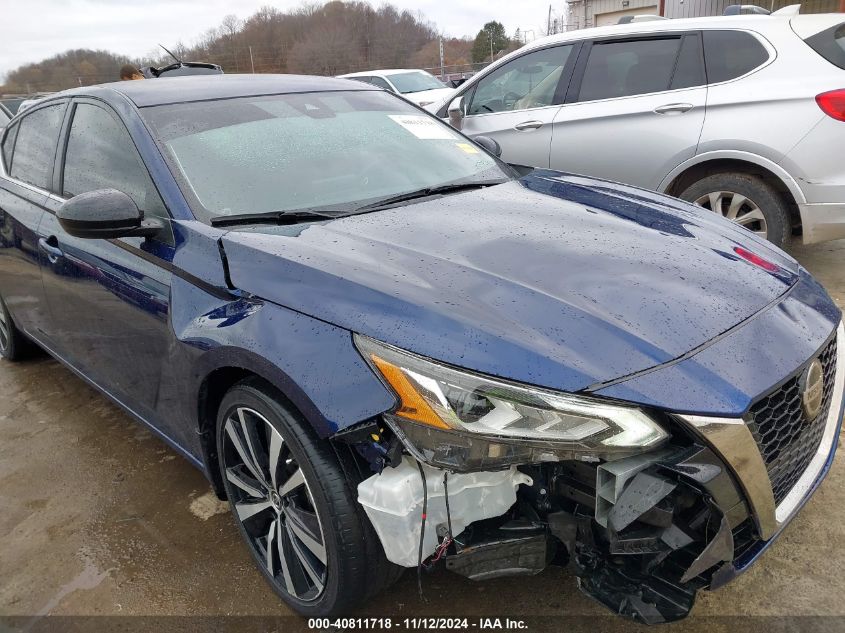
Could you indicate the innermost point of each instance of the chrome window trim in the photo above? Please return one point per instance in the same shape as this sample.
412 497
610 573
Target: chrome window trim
734 441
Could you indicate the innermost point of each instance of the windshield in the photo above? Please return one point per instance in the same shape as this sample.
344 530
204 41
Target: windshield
414 82
335 150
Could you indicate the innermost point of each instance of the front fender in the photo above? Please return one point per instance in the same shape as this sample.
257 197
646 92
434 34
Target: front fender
748 157
314 364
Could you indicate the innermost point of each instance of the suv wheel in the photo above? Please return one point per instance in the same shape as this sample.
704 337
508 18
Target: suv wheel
747 200
295 505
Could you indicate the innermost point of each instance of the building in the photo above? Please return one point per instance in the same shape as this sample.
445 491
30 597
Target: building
587 13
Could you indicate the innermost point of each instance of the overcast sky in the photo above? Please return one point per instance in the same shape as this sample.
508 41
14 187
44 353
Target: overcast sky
31 30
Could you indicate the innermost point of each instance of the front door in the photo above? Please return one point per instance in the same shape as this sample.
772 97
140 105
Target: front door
108 299
516 104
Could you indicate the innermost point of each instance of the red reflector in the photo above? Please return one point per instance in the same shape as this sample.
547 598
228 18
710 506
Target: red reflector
833 104
748 256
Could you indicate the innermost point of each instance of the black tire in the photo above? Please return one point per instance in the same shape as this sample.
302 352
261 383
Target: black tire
757 192
14 345
354 567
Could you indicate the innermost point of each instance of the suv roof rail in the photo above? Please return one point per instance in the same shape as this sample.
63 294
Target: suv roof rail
745 9
643 17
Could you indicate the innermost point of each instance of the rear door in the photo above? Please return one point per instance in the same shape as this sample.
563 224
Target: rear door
28 156
634 110
516 104
108 299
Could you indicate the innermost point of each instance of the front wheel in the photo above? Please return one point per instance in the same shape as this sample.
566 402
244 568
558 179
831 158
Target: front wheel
745 199
295 505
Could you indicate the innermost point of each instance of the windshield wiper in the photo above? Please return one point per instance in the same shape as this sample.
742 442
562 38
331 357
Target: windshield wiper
424 193
274 217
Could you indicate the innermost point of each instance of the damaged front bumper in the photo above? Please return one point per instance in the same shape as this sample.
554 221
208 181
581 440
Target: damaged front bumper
642 533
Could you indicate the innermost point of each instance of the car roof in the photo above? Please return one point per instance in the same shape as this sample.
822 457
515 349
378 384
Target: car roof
187 89
746 21
384 71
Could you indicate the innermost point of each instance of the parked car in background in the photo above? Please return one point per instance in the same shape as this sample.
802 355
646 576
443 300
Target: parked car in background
27 103
386 348
742 115
11 104
418 86
5 116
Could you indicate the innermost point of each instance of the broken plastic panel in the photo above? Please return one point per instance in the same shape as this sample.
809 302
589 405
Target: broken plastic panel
393 501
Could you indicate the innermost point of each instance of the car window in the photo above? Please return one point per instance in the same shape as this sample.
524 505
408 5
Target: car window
830 44
529 81
100 155
35 147
8 146
689 71
407 83
334 151
622 69
731 54
381 83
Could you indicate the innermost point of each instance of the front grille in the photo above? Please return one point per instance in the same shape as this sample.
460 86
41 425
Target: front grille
787 440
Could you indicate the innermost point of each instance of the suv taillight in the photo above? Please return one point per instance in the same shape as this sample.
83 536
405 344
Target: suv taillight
833 104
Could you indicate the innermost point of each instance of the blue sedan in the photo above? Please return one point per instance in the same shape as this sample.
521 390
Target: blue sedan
388 349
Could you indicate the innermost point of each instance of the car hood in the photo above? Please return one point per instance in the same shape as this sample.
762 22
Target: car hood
428 96
555 280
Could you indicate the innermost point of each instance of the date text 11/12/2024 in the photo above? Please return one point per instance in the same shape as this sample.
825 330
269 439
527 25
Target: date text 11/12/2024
435 624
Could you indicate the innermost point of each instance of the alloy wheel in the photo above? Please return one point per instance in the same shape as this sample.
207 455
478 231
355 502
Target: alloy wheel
273 503
4 329
737 208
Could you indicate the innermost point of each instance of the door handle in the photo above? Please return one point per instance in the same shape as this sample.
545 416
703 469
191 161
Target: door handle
528 125
673 108
50 246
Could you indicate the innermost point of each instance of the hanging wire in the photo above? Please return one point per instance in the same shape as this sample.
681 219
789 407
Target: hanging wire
422 531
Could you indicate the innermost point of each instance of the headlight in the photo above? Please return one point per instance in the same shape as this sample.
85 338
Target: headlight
465 421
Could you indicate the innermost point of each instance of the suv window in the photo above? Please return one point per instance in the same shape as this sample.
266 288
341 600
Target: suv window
830 44
731 54
622 69
35 147
100 155
529 81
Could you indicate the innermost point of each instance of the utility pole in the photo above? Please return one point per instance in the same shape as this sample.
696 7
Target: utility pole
549 22
490 35
442 69
251 62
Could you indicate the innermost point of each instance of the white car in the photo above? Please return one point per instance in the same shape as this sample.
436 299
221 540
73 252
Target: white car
416 86
743 114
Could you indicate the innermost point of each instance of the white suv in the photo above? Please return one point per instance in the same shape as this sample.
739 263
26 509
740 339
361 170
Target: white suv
744 115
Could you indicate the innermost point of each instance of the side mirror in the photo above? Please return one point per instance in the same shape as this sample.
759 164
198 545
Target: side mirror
490 144
105 214
456 113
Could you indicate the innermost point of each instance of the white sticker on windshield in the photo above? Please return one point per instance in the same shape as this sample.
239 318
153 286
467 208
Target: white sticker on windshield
423 126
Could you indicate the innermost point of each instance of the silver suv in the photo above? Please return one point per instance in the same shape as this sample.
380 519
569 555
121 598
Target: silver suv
744 115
